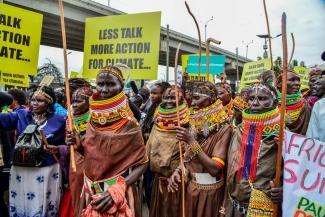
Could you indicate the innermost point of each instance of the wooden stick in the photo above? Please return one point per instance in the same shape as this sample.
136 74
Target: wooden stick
269 33
207 48
199 34
283 106
67 88
46 144
179 124
293 47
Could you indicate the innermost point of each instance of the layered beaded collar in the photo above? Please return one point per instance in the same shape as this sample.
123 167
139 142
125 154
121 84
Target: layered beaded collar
294 105
239 103
166 119
255 128
110 114
80 122
206 120
229 108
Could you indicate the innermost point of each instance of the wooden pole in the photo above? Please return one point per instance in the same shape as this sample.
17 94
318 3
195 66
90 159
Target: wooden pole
208 41
269 33
67 88
199 34
293 47
179 124
283 106
167 54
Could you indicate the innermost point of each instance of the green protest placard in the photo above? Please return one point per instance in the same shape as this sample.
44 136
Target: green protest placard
131 39
19 80
252 71
304 76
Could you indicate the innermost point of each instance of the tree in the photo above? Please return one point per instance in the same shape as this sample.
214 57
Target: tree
302 63
49 69
295 63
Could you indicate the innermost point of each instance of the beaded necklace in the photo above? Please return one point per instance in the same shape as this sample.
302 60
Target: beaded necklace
291 99
255 128
294 106
239 103
206 120
229 108
166 119
110 114
80 122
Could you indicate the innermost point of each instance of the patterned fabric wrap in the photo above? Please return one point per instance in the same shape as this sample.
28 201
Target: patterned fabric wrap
35 191
206 120
255 126
239 103
81 122
294 106
116 187
110 114
260 205
167 118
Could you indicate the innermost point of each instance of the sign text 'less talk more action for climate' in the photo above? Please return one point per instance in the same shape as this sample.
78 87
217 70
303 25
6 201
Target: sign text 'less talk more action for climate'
20 36
131 39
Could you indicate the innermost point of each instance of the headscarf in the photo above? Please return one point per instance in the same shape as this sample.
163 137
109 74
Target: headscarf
85 91
315 73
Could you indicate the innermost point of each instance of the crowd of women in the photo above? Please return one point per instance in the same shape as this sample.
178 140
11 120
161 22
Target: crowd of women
127 148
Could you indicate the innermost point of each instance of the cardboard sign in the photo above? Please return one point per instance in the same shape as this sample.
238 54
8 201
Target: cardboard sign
252 71
131 39
216 64
304 76
303 176
20 36
18 80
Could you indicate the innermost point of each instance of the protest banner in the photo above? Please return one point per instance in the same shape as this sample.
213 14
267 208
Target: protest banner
217 64
20 36
303 176
131 39
252 70
18 80
304 76
193 76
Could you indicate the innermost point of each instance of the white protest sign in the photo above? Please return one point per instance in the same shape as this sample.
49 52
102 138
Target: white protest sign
303 176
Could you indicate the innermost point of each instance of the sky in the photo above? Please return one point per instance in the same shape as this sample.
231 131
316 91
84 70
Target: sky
235 23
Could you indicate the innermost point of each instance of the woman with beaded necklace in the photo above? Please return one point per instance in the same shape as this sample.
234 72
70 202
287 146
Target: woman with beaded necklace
114 151
80 117
297 109
225 95
163 152
252 157
205 156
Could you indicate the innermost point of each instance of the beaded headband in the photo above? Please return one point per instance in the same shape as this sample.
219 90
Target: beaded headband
112 70
260 86
48 97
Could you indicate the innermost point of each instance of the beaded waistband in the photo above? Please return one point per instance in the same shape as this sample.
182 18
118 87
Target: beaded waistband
97 187
204 181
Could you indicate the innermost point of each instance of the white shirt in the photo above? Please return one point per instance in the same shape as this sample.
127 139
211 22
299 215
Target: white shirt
316 126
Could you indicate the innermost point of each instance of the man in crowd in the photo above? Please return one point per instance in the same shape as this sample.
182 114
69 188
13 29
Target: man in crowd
316 127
